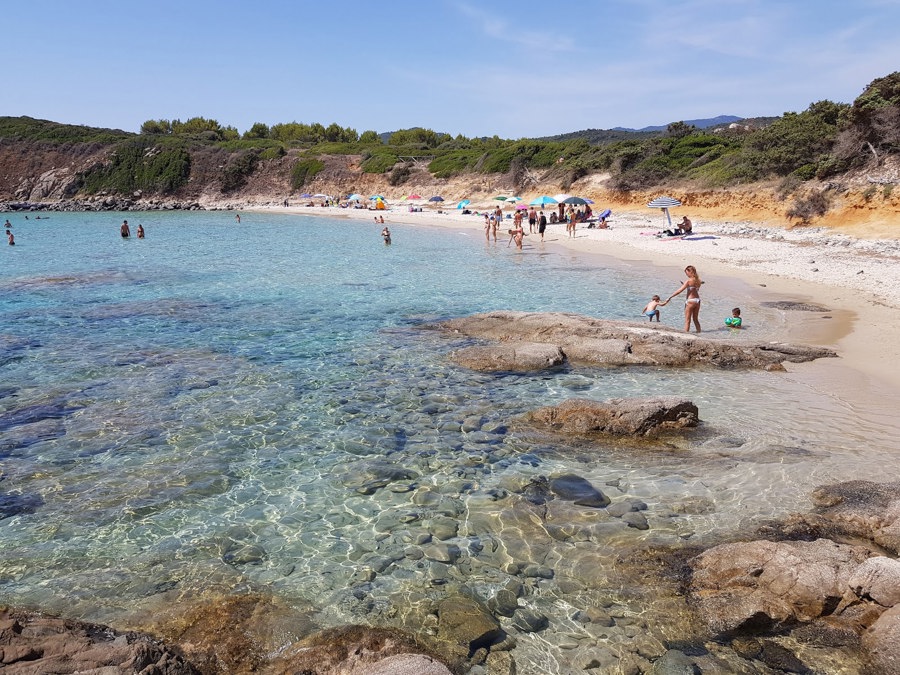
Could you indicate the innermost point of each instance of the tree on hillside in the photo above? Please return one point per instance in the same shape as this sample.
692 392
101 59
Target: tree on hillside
417 136
369 137
872 123
797 143
195 125
157 127
680 129
257 131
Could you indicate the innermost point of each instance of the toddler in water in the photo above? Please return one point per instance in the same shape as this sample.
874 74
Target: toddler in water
734 321
651 309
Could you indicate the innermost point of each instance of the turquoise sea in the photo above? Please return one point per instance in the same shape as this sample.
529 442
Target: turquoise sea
258 407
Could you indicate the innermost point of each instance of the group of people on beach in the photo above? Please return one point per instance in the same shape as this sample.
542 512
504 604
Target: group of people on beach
537 222
691 303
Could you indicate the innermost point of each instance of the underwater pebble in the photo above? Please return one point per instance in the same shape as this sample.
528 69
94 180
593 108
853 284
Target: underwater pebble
636 520
530 621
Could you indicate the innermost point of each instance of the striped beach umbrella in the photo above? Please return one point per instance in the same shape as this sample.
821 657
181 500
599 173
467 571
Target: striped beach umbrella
664 203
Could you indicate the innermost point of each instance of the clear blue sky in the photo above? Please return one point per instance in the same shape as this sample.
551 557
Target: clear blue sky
475 67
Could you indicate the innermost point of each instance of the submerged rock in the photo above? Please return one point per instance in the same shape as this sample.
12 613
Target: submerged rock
510 356
619 416
360 650
526 339
465 622
863 509
369 476
578 490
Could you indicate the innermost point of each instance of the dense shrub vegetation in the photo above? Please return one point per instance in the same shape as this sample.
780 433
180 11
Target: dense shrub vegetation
137 164
822 140
303 171
26 128
239 168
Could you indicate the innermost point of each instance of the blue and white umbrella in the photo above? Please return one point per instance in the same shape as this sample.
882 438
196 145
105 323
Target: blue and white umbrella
664 203
543 200
464 203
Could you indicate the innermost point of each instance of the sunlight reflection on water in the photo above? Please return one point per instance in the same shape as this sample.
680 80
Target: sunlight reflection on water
209 407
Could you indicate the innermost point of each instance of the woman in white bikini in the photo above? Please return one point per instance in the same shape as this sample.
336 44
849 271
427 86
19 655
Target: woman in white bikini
692 300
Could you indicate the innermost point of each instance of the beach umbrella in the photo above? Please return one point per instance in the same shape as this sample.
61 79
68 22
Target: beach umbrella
436 198
664 203
543 200
319 195
355 197
374 197
588 201
577 201
305 195
464 203
521 207
414 196
501 198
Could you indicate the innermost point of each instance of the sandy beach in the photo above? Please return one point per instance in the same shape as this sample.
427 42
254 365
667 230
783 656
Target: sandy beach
857 279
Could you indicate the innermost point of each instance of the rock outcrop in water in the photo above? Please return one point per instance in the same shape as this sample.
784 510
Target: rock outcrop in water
618 417
841 591
526 341
35 644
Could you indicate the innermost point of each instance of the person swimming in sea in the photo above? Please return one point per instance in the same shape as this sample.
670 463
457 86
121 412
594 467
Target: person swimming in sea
734 321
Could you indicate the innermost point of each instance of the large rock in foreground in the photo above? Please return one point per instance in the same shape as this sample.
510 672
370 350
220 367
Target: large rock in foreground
38 645
618 416
582 339
762 586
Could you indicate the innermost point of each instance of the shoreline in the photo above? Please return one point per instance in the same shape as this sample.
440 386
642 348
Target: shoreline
857 280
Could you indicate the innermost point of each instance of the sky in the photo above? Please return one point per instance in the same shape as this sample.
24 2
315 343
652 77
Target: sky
522 69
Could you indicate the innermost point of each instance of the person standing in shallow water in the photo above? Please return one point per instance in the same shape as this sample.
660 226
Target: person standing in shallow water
692 301
140 231
125 230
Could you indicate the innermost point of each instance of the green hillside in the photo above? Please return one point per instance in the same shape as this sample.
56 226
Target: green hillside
824 140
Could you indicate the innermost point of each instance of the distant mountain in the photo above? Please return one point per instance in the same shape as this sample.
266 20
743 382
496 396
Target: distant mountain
700 124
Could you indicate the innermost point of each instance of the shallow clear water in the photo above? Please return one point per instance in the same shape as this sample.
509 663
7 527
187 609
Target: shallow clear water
211 405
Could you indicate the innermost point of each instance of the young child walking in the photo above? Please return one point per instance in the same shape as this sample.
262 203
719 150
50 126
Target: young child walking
652 308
